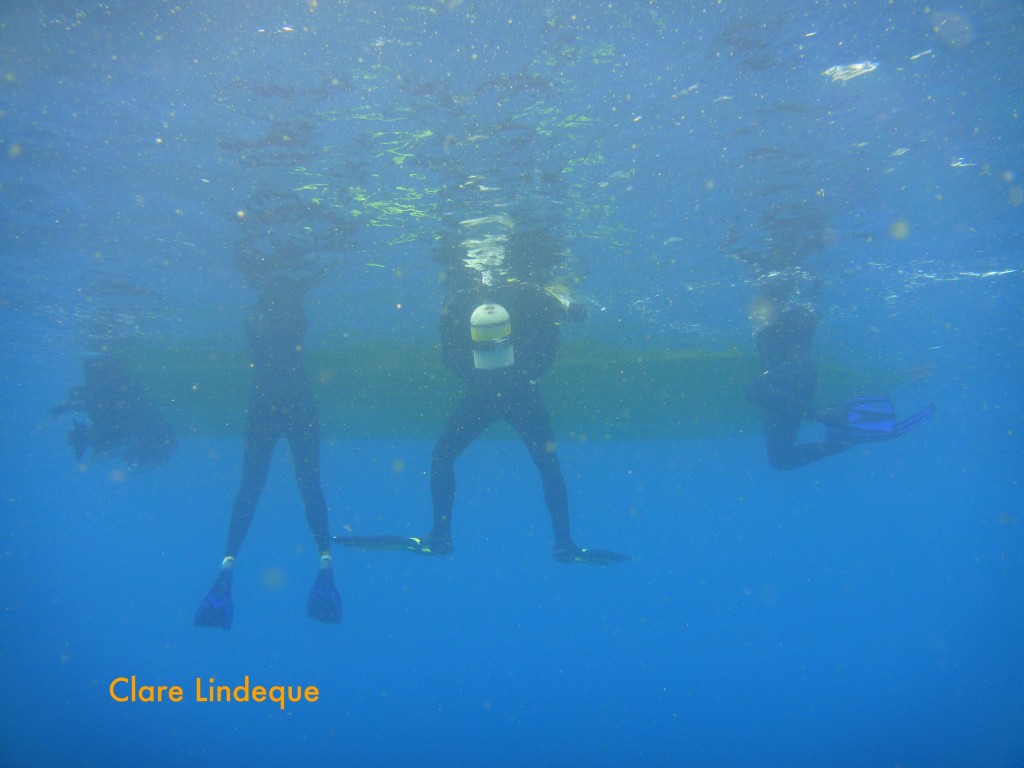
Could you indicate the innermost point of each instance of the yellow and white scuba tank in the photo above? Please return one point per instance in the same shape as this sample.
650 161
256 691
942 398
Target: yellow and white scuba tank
491 331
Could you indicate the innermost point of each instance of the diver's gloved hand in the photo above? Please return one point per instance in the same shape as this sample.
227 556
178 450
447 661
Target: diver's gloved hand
570 553
577 312
424 545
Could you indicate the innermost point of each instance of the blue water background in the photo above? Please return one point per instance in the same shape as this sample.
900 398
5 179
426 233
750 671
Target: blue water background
864 611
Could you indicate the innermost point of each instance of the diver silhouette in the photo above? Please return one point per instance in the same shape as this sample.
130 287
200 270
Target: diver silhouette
499 340
121 418
281 404
787 386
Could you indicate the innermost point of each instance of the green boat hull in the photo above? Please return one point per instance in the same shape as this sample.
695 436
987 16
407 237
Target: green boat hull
377 391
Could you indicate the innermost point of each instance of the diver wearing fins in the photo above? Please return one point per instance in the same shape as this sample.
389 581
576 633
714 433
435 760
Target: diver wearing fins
281 404
499 341
786 388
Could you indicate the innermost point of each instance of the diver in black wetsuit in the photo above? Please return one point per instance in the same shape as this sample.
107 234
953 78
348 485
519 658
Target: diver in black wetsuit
786 389
281 404
121 417
499 340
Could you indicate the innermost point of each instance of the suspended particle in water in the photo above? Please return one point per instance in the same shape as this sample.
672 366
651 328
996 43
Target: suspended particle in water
899 229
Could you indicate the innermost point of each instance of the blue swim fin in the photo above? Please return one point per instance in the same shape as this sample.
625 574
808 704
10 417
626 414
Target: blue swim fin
912 422
324 602
217 610
869 418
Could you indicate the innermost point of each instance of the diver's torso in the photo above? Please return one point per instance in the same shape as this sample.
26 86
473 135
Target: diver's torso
527 351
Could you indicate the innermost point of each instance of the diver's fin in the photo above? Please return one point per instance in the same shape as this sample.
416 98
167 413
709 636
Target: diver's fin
872 418
911 422
574 554
374 542
601 556
861 420
425 545
324 602
217 610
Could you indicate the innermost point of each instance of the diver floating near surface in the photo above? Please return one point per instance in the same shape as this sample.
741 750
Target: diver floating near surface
499 336
786 323
121 419
281 405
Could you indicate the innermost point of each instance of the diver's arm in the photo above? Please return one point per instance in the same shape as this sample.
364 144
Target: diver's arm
456 348
562 308
535 329
576 312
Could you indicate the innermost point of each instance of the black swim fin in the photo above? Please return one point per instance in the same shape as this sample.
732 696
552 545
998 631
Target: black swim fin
217 610
574 554
425 545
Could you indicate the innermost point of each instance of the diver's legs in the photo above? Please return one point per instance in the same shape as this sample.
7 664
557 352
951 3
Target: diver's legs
464 426
324 602
261 433
304 441
533 423
781 428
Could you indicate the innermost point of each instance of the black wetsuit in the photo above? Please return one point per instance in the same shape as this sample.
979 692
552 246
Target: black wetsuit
281 404
508 394
787 386
122 417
